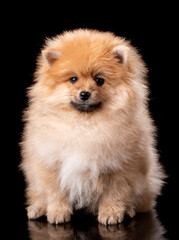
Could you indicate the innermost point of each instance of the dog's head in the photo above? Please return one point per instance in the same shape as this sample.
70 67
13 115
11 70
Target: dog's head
87 71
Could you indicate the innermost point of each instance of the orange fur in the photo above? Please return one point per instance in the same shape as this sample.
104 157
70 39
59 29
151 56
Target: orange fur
103 159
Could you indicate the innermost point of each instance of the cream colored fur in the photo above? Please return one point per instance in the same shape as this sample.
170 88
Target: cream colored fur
103 160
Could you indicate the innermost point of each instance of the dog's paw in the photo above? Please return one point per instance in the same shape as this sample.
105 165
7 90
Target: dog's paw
131 212
58 216
110 217
34 211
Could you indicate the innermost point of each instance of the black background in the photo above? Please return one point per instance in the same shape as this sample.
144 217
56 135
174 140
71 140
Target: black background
151 28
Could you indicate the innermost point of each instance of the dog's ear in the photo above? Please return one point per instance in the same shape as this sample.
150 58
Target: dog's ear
121 52
50 56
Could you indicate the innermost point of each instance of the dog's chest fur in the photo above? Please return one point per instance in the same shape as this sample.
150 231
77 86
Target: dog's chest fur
84 162
80 180
84 154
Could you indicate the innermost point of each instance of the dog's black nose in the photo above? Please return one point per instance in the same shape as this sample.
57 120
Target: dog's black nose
84 95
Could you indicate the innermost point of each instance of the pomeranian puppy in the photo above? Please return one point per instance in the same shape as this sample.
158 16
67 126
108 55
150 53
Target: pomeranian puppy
89 140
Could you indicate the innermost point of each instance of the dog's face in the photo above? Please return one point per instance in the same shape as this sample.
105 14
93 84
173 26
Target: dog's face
87 75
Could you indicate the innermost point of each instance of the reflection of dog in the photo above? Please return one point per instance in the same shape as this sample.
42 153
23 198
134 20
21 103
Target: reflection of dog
145 225
89 139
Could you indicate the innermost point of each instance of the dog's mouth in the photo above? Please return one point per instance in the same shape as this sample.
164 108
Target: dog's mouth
85 107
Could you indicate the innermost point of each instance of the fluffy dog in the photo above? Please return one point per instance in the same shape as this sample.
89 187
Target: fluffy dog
89 140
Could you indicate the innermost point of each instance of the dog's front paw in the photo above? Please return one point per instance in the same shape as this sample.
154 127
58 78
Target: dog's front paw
35 211
111 216
58 216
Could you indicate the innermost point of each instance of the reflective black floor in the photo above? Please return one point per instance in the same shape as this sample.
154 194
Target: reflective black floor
85 227
160 224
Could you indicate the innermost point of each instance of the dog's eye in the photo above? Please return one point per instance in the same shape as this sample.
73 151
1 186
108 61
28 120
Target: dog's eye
99 81
73 79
